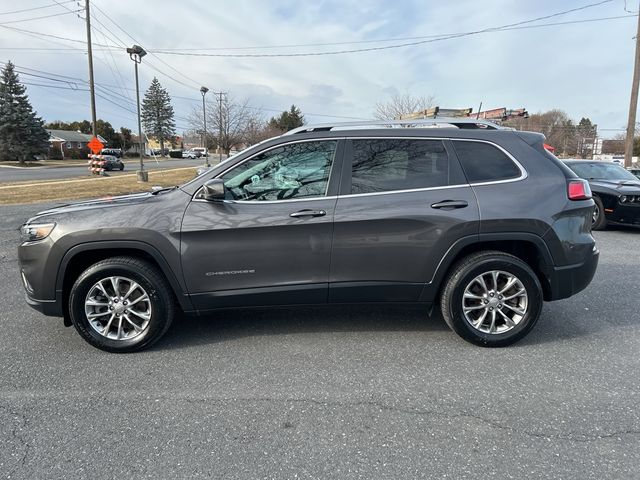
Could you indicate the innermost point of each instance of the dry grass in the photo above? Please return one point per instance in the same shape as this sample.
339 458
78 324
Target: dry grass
48 190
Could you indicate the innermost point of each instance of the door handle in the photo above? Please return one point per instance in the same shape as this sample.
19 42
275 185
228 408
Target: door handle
308 213
450 204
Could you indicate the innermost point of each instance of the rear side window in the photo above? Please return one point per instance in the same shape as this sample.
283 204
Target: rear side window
398 164
483 162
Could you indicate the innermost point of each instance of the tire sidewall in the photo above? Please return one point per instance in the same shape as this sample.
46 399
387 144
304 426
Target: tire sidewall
601 222
90 277
534 292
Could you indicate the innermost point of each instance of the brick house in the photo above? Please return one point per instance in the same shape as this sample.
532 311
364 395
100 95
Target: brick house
69 143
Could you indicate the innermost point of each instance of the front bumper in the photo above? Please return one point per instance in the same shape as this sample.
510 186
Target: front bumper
623 213
563 282
52 308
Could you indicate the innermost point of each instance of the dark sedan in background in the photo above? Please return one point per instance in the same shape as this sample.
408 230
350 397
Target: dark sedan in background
112 163
616 192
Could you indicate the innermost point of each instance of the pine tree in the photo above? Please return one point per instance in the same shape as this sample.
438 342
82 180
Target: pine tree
287 120
157 113
22 134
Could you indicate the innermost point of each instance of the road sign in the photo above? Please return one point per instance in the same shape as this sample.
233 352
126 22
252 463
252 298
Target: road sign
95 145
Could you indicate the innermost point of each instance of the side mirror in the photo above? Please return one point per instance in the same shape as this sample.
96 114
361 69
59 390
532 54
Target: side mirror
214 190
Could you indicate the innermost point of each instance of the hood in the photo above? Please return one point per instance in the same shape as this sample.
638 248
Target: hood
620 186
105 202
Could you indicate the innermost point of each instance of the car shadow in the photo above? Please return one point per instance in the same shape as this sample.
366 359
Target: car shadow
560 321
230 324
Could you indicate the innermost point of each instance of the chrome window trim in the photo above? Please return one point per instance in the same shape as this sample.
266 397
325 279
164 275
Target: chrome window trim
523 172
336 139
263 202
410 190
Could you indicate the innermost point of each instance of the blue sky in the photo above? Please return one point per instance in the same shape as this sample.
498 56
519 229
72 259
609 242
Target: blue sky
584 69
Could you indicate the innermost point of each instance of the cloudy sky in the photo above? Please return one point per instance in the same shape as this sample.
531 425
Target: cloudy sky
583 68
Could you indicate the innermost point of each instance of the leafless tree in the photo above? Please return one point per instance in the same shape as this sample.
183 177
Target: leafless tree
231 124
402 104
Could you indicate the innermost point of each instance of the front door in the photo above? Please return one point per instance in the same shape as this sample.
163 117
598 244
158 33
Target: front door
269 242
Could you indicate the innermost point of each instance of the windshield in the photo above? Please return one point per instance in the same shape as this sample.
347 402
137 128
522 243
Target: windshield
601 171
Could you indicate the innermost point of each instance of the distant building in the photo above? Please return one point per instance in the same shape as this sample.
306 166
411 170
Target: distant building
66 144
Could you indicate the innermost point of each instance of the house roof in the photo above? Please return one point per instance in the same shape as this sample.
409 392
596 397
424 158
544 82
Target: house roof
71 136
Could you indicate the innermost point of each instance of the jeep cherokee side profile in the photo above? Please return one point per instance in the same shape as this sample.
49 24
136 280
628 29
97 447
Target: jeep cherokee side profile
475 218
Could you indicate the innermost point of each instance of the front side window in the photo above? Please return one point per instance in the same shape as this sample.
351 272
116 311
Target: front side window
381 165
296 170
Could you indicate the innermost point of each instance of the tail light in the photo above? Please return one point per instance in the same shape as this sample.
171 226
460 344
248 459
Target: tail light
578 190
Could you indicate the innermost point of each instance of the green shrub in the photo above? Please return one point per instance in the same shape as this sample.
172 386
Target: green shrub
55 154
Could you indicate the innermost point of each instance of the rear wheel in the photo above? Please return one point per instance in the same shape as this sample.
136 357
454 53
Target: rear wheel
121 166
121 304
599 221
491 298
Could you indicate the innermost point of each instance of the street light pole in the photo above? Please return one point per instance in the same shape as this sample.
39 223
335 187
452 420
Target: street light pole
220 94
203 91
136 53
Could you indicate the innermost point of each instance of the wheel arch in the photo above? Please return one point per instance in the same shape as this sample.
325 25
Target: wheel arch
528 247
80 257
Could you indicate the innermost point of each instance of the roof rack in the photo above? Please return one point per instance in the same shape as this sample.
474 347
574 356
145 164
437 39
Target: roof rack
440 122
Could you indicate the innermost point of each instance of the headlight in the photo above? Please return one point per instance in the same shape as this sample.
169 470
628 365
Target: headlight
36 231
623 199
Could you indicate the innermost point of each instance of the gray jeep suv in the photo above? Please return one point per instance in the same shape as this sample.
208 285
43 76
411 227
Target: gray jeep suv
477 219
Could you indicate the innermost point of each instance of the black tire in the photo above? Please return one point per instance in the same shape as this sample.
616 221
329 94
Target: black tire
121 166
599 219
470 267
161 301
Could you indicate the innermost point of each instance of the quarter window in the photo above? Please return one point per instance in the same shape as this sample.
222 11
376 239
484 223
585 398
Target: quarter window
483 162
296 170
381 165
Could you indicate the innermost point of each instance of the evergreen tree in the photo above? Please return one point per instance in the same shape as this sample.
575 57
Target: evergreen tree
157 113
22 134
288 120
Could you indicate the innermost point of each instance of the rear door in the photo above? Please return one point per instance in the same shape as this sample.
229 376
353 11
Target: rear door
402 204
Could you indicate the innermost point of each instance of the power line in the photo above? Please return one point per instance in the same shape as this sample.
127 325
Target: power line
151 53
44 16
48 35
35 8
382 40
387 47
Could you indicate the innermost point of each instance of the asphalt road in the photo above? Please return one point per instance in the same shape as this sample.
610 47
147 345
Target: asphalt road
131 165
344 393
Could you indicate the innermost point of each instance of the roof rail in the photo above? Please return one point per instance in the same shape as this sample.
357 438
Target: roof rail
440 122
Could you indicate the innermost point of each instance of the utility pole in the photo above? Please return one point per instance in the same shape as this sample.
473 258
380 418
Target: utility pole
220 94
90 55
633 104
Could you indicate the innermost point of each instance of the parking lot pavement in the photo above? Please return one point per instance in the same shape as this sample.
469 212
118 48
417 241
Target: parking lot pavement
345 392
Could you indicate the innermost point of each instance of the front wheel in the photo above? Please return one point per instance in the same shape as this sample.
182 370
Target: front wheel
121 304
598 221
492 299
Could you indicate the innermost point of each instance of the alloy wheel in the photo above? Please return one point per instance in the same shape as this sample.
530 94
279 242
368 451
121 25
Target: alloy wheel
495 302
118 308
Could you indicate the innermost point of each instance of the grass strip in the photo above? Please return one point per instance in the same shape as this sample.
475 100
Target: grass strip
91 187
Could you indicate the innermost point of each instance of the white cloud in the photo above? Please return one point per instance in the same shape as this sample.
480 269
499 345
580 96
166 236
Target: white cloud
584 69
